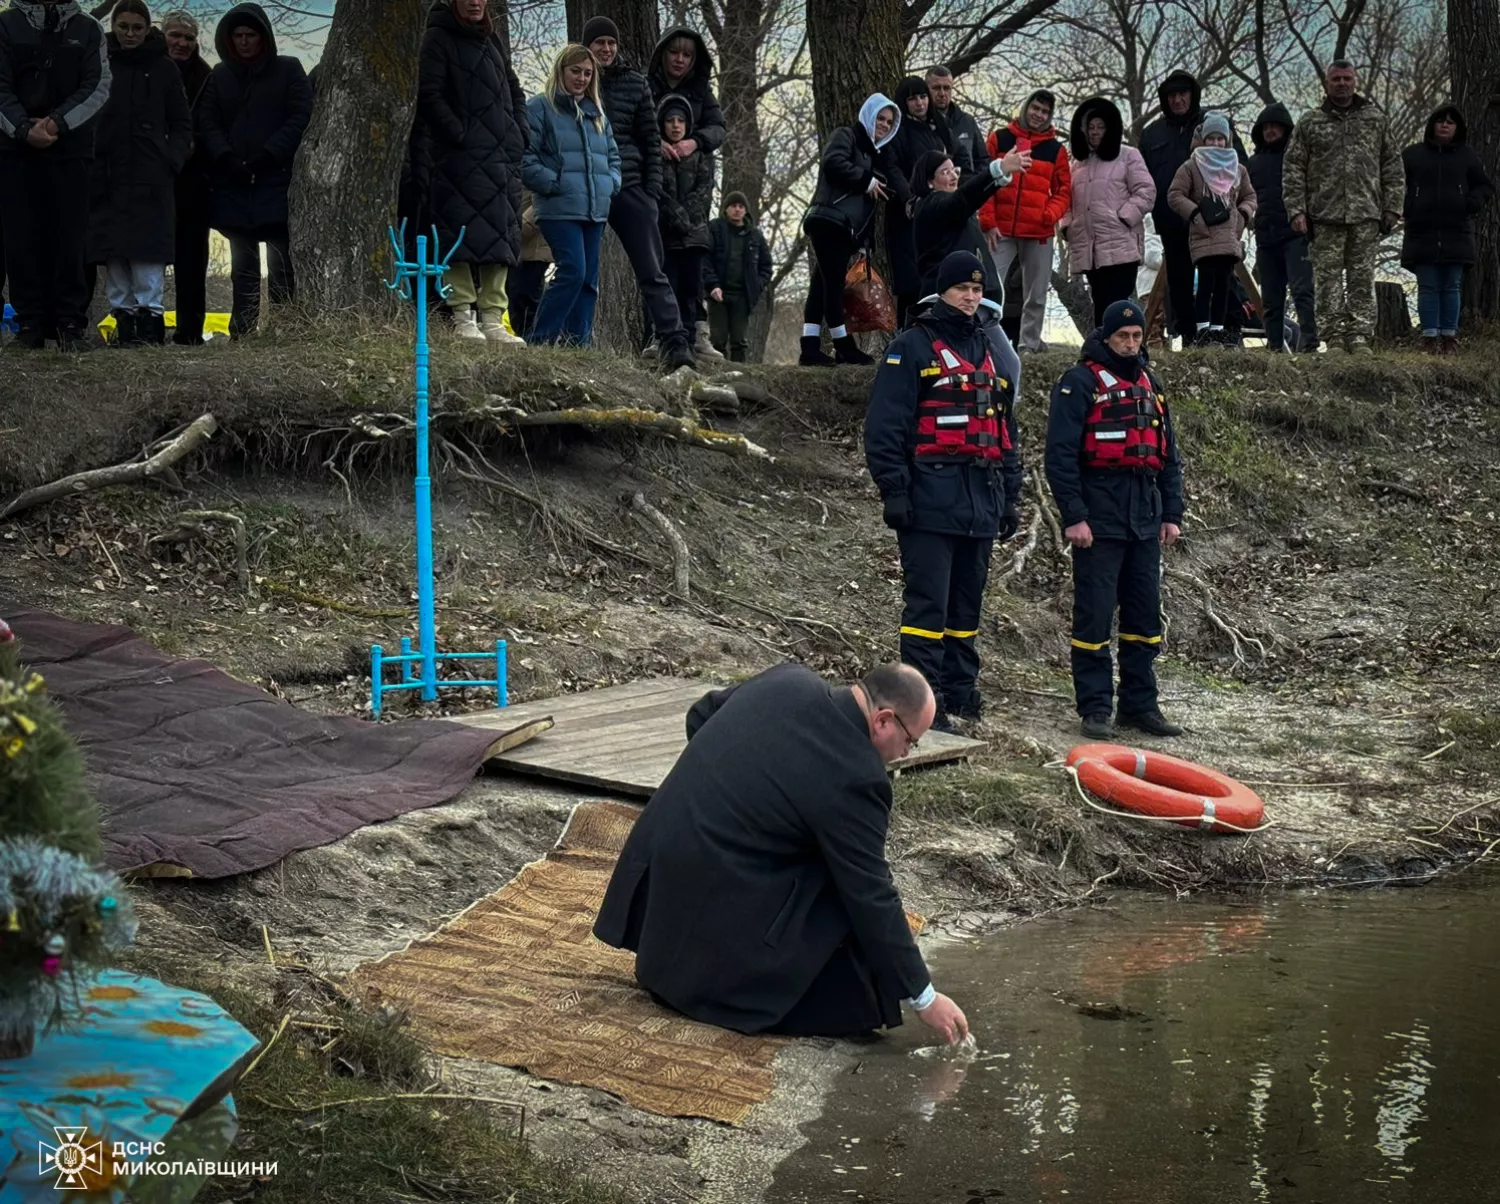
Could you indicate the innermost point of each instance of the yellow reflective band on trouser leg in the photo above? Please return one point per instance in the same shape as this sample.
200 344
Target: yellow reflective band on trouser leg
1088 647
960 635
1141 639
922 633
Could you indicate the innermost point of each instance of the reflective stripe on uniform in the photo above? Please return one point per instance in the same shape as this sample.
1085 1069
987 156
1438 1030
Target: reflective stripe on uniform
922 633
1141 639
1087 647
962 635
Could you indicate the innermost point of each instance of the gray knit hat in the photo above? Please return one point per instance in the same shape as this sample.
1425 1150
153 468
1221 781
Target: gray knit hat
1215 123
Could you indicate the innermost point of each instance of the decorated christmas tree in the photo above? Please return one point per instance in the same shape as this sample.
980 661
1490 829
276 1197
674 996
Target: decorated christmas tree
61 917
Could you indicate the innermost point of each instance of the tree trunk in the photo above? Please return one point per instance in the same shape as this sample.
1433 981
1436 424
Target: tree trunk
1392 318
344 186
1474 53
857 48
1073 292
742 162
620 324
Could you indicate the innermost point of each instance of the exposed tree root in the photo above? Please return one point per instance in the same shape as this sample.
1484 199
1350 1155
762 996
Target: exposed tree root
1239 640
684 430
192 523
154 463
681 559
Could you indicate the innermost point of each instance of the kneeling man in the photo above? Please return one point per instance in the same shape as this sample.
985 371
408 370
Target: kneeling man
754 888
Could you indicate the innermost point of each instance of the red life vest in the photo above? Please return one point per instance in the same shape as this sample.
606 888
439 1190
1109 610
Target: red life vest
1124 427
962 409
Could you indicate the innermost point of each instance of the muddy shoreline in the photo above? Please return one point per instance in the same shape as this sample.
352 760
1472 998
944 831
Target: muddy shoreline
1330 639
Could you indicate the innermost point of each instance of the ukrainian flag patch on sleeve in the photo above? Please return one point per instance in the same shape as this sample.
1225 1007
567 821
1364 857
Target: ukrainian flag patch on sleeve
893 358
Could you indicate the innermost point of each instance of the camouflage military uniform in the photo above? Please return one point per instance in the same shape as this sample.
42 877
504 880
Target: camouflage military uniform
1343 172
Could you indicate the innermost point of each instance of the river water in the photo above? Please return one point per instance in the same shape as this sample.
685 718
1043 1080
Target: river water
1332 1048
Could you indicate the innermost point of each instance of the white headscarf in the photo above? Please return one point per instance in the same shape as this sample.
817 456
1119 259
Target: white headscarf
871 110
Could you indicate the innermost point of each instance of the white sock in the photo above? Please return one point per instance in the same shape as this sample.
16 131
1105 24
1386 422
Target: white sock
811 330
1211 329
1202 325
839 332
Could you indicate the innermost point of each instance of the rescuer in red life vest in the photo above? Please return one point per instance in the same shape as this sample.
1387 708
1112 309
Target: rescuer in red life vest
941 444
1113 468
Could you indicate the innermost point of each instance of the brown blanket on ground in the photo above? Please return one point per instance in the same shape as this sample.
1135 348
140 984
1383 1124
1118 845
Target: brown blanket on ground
195 769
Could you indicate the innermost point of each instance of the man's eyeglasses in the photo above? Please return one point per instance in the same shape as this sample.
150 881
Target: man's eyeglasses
911 741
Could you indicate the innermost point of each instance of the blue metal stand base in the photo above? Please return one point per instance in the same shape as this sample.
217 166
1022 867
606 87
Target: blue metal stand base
427 656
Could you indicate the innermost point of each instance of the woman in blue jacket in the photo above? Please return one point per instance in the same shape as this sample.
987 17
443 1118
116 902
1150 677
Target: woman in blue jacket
573 170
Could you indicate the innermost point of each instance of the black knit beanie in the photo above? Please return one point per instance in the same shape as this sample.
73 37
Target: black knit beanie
1119 315
960 267
598 27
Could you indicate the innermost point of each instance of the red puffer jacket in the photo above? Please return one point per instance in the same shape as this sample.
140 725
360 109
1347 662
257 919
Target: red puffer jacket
1032 204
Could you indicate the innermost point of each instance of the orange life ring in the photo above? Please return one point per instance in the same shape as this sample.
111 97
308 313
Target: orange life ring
1153 783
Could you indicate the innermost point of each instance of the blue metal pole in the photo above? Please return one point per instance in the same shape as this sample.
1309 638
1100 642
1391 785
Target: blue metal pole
426 616
376 653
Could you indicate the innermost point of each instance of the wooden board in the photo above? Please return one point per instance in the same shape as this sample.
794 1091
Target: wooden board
626 738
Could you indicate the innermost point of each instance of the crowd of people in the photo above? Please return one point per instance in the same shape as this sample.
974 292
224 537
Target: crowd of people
1317 196
120 149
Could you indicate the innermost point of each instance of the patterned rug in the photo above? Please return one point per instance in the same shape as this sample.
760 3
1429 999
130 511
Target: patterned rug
518 979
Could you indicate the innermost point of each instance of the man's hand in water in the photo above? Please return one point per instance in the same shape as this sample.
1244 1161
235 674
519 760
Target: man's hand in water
946 1019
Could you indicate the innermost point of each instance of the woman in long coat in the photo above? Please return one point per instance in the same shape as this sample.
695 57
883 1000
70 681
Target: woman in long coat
1112 192
472 114
144 137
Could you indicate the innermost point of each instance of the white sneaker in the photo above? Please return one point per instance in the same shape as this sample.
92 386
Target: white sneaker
494 330
466 325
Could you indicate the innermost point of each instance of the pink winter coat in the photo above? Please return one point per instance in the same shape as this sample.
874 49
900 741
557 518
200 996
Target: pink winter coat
1106 223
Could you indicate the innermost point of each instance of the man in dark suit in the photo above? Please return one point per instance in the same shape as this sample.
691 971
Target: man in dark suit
754 889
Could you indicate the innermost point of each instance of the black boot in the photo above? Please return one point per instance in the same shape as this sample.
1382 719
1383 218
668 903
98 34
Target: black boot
30 338
1150 722
678 354
969 707
846 351
812 353
126 334
72 340
150 328
1096 727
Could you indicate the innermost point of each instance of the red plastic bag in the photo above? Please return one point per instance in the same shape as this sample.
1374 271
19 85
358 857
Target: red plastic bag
868 304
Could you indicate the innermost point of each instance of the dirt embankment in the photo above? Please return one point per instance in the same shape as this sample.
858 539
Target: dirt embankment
1333 627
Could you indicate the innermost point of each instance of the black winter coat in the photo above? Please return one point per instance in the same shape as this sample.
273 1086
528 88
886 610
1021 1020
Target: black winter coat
945 496
194 189
1273 228
145 136
1167 143
970 154
632 114
1445 187
913 140
697 88
723 244
687 190
474 130
62 73
251 119
1119 503
761 853
944 222
850 162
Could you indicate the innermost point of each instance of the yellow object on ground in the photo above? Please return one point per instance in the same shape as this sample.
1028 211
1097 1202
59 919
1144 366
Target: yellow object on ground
212 324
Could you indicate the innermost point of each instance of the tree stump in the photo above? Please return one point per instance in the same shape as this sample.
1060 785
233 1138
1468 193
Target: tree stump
1392 318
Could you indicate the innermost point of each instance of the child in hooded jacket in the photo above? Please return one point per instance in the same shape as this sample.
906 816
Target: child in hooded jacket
1213 194
687 191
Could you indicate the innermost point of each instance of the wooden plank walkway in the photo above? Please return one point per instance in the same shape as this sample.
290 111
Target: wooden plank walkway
626 738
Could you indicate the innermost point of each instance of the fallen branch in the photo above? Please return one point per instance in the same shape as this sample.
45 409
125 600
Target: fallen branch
345 608
1052 523
1396 487
1238 639
192 522
681 560
685 430
155 464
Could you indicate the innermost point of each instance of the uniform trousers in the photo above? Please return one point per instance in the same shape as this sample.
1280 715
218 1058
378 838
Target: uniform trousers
1123 574
945 577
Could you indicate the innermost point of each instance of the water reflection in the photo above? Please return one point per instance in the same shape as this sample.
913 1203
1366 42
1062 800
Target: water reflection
1313 1048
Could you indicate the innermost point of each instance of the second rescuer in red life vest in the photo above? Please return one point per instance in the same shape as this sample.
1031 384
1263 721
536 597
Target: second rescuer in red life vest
941 445
1113 467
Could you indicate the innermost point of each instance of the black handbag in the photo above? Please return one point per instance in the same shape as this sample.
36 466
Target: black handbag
1212 210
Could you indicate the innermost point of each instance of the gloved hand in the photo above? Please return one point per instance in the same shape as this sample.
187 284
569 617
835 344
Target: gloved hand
1010 523
237 171
897 514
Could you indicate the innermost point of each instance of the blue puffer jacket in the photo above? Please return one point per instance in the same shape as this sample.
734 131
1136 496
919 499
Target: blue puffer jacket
571 167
